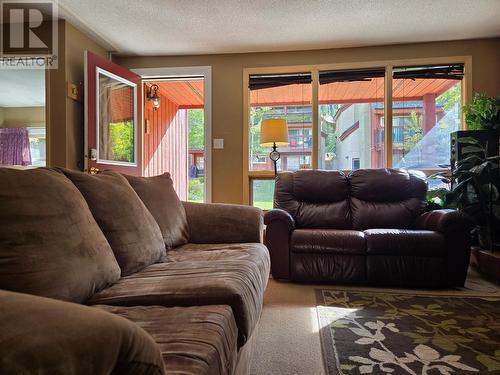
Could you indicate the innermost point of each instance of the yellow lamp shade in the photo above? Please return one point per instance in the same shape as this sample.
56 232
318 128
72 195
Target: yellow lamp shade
273 131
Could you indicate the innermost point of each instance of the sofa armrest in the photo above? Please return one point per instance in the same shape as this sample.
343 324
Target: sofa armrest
282 216
223 223
456 229
279 226
46 336
444 221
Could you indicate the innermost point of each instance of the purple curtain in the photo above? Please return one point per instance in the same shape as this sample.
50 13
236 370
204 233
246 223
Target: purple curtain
14 146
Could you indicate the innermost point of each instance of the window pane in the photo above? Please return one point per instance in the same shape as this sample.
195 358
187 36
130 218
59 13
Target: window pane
351 123
425 111
116 123
293 103
262 193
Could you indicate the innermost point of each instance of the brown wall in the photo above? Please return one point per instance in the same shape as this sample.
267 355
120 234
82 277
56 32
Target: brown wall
65 114
76 44
227 89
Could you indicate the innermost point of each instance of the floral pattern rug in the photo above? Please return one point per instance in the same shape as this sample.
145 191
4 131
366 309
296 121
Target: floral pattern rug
366 332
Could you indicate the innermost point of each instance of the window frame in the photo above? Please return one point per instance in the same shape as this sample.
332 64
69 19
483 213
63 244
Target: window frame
388 65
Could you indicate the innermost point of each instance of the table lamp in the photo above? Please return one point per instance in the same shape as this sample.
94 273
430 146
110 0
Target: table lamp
273 133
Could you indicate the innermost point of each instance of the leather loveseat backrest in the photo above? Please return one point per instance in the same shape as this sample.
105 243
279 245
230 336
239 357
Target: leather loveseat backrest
386 198
367 198
314 198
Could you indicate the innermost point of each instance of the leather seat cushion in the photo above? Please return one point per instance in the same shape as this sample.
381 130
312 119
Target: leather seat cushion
328 241
192 340
405 242
328 268
225 274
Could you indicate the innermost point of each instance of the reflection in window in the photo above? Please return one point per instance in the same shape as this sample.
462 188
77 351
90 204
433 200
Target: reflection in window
116 120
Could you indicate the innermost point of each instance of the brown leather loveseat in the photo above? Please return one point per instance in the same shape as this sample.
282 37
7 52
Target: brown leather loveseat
368 227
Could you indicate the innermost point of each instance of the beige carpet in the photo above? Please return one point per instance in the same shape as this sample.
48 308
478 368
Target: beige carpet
288 341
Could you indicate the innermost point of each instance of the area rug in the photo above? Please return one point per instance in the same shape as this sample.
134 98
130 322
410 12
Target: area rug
365 332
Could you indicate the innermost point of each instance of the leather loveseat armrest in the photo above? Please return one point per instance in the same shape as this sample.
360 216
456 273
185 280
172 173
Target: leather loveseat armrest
279 225
223 223
456 229
46 336
444 221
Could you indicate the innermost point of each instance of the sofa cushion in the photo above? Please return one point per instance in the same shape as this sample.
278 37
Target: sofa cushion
236 276
314 198
159 196
328 241
192 340
46 336
405 242
50 244
129 227
386 198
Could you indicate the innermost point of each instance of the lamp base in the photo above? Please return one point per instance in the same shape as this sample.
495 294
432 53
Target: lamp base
275 156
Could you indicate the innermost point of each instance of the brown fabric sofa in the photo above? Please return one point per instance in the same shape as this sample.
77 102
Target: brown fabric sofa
368 227
194 308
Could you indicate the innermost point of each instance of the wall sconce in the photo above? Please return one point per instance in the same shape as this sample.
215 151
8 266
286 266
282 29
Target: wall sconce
152 94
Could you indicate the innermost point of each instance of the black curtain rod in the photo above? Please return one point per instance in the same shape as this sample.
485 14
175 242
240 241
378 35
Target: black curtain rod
265 81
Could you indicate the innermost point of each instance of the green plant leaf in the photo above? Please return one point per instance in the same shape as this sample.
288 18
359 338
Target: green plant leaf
470 140
471 149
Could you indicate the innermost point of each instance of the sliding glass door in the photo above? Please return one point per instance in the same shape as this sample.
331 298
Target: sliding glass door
344 119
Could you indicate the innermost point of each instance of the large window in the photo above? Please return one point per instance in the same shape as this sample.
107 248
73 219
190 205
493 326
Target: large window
338 120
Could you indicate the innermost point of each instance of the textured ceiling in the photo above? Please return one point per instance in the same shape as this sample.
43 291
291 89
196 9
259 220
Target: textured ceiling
22 88
169 27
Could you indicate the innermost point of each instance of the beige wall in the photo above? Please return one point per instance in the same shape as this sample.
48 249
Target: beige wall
227 88
13 117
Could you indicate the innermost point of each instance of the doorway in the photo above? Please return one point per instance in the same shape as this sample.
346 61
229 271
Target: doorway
22 118
174 136
146 122
177 133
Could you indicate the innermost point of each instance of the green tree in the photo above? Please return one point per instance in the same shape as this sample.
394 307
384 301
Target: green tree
412 131
196 129
328 111
256 116
121 136
450 97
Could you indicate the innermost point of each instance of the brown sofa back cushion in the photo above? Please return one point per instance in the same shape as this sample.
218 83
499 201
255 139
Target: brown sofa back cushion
50 244
129 227
159 196
366 198
386 198
314 198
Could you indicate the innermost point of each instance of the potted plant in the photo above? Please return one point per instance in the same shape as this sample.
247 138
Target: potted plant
473 189
483 113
